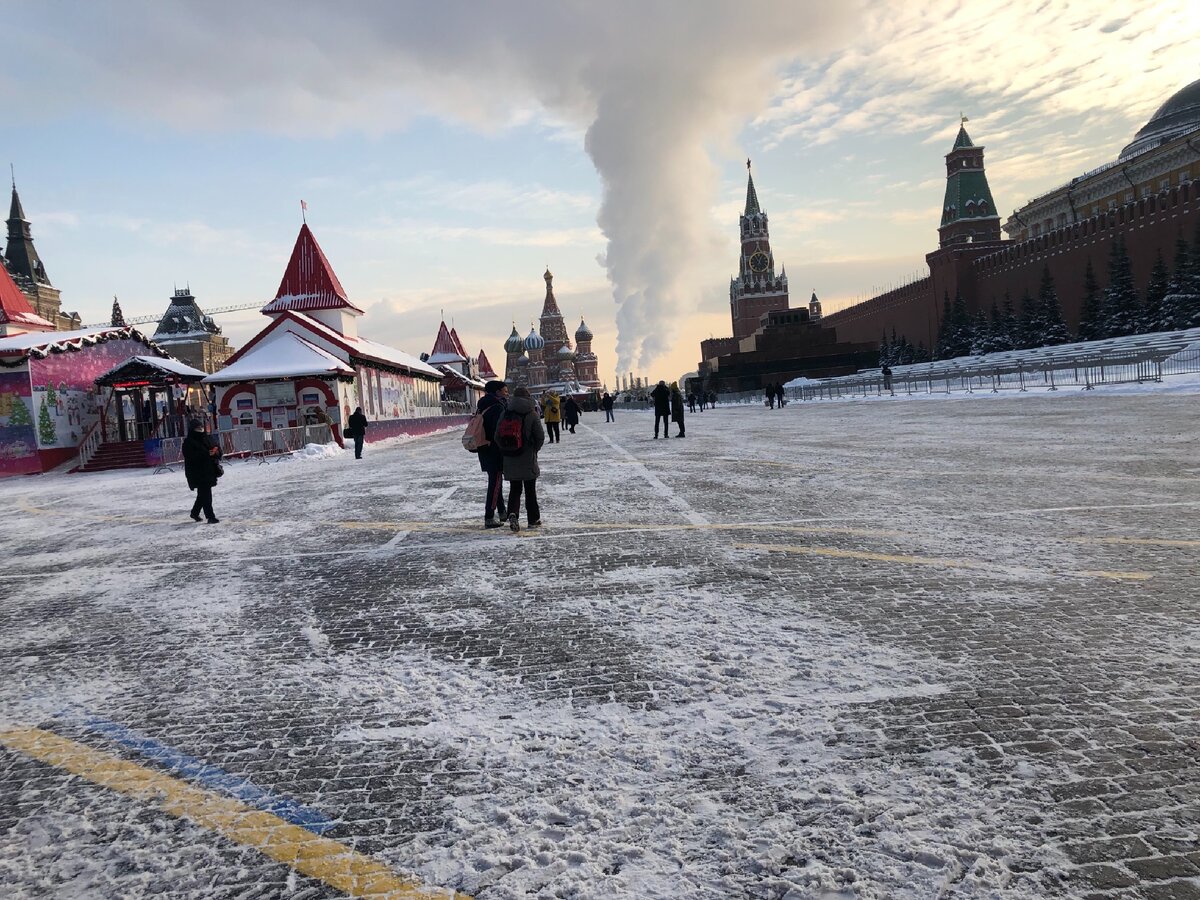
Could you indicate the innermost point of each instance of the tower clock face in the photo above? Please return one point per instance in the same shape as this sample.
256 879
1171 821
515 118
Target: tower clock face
759 261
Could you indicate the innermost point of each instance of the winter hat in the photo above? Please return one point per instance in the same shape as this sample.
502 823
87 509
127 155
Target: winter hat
521 392
195 425
494 386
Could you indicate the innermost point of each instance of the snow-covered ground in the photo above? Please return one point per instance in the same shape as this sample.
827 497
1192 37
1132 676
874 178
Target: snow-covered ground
836 650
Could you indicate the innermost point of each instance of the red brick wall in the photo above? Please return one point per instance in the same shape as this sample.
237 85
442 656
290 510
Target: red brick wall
983 273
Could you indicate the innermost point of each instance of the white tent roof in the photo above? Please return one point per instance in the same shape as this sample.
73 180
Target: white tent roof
286 356
174 366
38 340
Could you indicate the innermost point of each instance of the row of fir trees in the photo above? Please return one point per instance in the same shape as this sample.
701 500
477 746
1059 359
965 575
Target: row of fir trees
1171 302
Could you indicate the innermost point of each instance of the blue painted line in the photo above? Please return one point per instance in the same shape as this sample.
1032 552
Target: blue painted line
210 776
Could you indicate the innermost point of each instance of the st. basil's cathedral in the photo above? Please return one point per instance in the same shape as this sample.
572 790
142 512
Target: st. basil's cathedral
544 361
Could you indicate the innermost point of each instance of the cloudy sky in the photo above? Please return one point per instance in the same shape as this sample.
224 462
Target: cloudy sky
448 152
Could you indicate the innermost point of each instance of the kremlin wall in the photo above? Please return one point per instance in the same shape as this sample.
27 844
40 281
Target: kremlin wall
1147 196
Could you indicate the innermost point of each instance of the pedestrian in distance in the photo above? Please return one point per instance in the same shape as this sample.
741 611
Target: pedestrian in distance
887 378
712 399
571 414
607 402
702 397
691 399
356 428
552 411
769 395
520 436
661 395
677 407
202 468
492 405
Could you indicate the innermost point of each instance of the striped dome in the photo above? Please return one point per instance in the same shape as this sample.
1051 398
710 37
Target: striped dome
514 344
522 360
583 333
534 341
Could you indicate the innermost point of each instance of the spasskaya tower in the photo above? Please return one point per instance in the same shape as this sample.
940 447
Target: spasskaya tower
756 290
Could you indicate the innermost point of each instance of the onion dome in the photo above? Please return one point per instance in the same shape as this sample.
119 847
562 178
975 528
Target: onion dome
583 333
514 344
534 341
565 352
522 360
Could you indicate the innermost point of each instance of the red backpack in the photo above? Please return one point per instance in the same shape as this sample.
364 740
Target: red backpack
510 433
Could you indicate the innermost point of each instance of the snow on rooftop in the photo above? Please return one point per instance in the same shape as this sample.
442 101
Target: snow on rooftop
166 363
287 356
37 340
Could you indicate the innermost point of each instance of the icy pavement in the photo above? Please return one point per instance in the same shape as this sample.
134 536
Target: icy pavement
837 650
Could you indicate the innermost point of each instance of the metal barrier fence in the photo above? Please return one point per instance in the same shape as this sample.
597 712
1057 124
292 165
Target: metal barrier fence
1126 360
251 442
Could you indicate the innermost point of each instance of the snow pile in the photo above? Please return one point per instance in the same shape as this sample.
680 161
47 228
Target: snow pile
318 451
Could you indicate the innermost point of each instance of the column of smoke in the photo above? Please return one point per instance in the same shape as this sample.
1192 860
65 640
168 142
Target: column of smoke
660 86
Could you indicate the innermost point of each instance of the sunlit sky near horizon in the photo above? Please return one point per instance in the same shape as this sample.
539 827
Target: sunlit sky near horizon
449 153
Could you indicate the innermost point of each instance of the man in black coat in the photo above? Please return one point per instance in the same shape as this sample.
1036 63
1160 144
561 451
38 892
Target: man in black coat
357 429
607 402
662 408
201 467
492 404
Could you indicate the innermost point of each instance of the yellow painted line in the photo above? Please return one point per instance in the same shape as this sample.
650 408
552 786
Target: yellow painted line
1121 576
866 554
930 561
327 860
1149 542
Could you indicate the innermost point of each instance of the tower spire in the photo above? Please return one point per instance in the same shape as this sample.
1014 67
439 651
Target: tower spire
752 207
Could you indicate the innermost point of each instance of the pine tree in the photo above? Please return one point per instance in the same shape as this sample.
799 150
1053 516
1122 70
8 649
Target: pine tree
903 352
942 348
998 340
1121 308
1053 328
1176 303
1091 314
1152 309
963 330
20 414
1010 332
1028 333
885 351
51 395
921 354
981 333
46 433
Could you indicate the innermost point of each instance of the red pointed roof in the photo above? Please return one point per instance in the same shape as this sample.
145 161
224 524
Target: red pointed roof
309 281
15 308
445 348
485 367
458 345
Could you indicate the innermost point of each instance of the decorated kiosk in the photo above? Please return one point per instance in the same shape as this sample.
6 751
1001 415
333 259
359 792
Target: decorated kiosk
310 364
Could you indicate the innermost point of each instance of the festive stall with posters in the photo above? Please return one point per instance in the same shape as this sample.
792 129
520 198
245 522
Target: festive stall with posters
49 403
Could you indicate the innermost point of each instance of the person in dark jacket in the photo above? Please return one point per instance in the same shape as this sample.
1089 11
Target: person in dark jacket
202 469
607 402
677 408
571 414
357 429
492 404
662 408
521 470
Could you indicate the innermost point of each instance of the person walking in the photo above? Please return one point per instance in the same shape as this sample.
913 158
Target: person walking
571 414
492 405
357 429
702 396
677 407
712 399
521 468
552 410
691 399
607 402
202 468
887 378
661 395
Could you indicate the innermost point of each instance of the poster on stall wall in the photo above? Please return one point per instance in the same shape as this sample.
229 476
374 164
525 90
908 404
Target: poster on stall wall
18 441
64 401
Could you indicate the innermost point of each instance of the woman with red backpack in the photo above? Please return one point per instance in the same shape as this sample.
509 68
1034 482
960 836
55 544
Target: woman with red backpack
520 436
